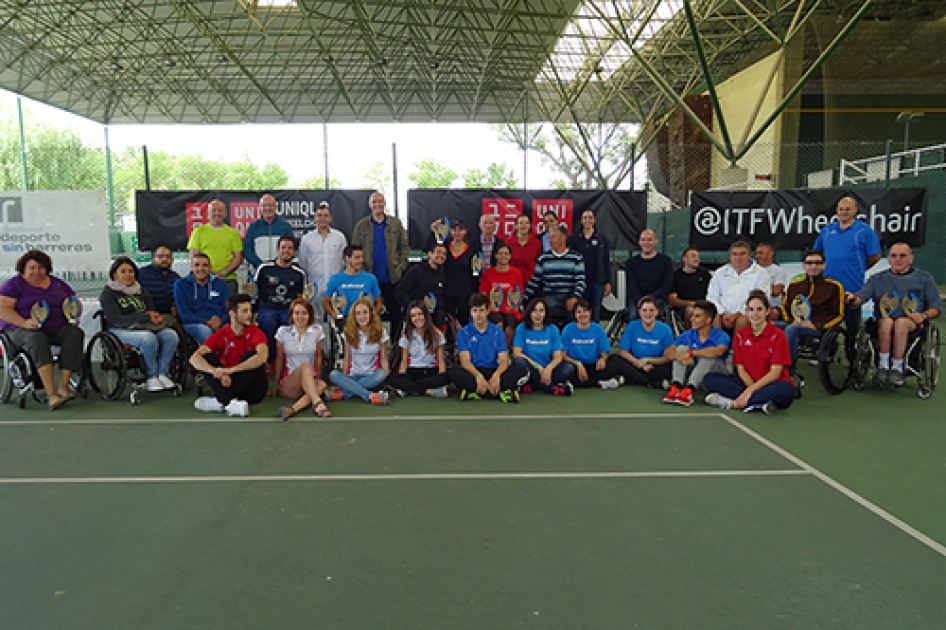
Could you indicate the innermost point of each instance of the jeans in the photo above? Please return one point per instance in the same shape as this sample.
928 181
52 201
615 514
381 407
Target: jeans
269 320
199 332
782 393
360 385
156 348
795 334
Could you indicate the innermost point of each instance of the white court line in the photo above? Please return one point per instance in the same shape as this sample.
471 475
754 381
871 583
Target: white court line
410 476
877 510
220 419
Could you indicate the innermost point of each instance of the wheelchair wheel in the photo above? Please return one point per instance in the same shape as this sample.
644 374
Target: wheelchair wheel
930 363
332 349
616 326
7 354
450 354
105 366
834 365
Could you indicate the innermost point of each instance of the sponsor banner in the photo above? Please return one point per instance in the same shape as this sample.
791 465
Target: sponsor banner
791 219
620 214
69 225
168 218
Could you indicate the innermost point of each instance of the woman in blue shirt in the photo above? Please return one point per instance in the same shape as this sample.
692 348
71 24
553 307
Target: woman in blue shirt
587 347
641 357
537 347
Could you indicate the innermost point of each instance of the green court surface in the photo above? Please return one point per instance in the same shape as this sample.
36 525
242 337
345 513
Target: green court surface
604 510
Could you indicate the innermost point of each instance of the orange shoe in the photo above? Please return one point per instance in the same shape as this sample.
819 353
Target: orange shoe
673 395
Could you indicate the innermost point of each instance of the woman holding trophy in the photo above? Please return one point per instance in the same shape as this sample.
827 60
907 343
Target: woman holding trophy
458 268
503 285
38 311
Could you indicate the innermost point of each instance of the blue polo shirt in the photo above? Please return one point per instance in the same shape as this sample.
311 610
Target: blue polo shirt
643 344
379 250
538 345
352 287
691 339
484 347
846 252
585 345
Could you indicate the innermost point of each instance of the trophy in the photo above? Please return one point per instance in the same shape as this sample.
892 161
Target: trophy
442 229
308 291
888 303
496 298
910 304
338 303
249 288
801 308
477 263
514 297
40 312
70 308
430 301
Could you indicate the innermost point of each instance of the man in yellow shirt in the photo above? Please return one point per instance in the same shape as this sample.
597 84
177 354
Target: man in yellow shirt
221 243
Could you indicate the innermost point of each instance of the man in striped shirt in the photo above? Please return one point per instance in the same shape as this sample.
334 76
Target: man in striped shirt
559 277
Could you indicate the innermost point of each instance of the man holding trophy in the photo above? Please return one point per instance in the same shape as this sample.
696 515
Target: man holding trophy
812 304
904 298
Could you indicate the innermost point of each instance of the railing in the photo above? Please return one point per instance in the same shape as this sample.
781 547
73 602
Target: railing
901 164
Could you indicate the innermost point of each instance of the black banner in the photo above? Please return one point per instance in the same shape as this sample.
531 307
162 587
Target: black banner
622 215
791 219
166 218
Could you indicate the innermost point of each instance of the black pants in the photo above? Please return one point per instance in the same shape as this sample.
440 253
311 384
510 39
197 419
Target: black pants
37 343
594 374
632 375
459 307
509 380
419 380
249 386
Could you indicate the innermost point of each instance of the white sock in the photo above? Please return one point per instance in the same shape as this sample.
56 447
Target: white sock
884 358
897 365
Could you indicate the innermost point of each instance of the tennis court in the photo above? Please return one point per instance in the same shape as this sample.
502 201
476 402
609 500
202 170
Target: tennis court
605 510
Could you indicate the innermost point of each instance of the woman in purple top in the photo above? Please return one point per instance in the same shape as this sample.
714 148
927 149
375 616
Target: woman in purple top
48 326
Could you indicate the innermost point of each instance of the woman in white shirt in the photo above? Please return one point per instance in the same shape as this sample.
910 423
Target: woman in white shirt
366 358
422 370
298 349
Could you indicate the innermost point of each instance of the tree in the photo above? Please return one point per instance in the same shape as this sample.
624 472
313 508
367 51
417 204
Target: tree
496 176
428 173
377 178
317 182
588 156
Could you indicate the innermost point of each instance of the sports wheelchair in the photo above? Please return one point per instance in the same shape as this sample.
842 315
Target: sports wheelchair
619 321
832 354
922 357
18 374
111 364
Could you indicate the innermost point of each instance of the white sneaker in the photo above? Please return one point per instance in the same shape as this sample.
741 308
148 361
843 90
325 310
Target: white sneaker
611 383
154 384
439 392
166 381
716 400
238 407
208 403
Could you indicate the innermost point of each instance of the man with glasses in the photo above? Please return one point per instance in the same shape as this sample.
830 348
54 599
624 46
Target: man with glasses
261 243
904 299
812 304
158 279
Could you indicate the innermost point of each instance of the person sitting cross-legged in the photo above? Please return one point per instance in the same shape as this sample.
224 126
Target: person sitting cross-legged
587 346
641 357
366 356
696 353
762 359
485 369
298 354
905 298
537 348
422 369
234 357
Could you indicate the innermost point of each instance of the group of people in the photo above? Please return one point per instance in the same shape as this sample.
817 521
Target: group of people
527 321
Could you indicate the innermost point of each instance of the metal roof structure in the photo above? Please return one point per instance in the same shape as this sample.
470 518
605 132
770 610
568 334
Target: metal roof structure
265 61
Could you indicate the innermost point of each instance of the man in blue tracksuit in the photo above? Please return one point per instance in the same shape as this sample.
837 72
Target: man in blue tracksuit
201 300
261 243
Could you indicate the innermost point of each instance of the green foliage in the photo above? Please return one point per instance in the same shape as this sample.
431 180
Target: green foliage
317 182
378 178
428 173
496 176
587 156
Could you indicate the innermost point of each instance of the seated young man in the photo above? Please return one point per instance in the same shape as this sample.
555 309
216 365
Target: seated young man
811 304
905 298
696 353
485 369
234 357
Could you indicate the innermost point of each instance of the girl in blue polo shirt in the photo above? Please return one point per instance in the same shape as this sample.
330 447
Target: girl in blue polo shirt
641 357
537 346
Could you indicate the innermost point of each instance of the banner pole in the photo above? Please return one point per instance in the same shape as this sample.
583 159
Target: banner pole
325 151
889 154
144 154
394 175
26 179
111 189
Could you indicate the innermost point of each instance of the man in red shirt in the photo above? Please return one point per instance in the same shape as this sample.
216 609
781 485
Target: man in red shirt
234 357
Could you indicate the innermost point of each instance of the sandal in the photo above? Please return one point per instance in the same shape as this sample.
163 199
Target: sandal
68 394
322 410
56 401
286 412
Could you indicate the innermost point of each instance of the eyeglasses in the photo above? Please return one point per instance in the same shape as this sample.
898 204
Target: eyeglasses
163 256
814 262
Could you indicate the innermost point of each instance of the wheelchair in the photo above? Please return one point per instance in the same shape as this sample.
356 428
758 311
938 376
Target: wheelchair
922 357
111 365
18 375
333 346
832 354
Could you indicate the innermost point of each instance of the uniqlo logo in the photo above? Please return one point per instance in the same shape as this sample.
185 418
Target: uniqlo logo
242 213
506 211
197 214
563 209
